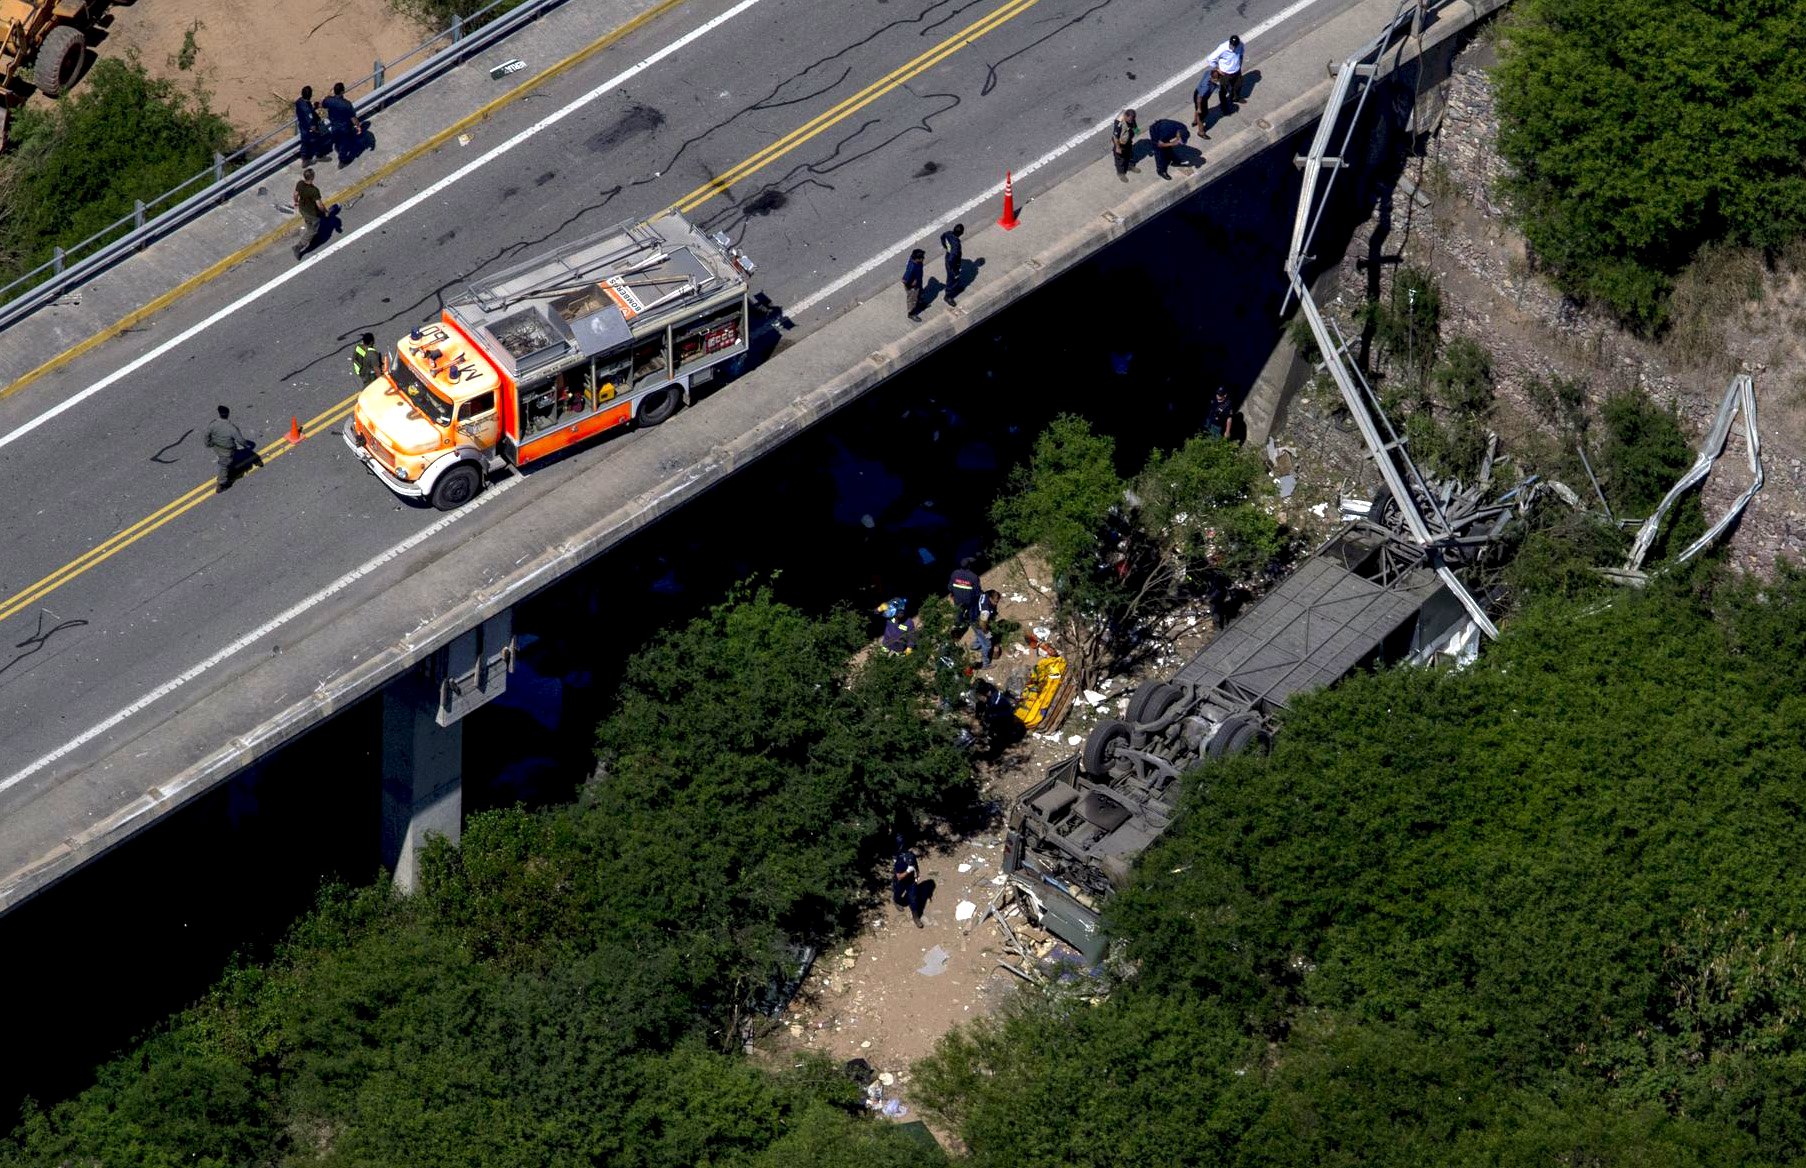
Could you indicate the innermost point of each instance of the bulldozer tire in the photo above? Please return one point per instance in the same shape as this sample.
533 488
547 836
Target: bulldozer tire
1100 747
1150 700
60 59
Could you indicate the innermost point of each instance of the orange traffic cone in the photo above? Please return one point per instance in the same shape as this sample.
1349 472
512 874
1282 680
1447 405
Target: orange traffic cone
1009 220
294 431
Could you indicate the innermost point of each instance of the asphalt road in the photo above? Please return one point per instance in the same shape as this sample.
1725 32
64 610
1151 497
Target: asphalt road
836 129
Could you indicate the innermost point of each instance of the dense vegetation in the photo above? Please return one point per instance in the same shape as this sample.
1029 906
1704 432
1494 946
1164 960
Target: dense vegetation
1543 911
1190 522
572 986
1643 130
78 165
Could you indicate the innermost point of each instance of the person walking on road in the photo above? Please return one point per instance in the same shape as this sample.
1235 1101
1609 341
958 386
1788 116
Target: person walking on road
1122 144
912 283
307 126
1224 70
906 882
226 441
367 361
307 202
950 251
341 115
1167 136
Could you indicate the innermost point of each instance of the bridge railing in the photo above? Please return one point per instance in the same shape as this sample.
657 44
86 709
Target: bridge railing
255 161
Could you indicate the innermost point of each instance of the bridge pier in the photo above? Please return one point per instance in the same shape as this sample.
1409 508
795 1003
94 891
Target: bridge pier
423 741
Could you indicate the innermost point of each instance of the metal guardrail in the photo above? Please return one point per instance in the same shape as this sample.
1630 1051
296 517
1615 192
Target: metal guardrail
232 173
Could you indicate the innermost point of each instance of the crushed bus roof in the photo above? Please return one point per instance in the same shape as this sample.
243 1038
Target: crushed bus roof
597 293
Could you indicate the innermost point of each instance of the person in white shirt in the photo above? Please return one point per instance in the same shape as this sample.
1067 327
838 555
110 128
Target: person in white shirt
1225 69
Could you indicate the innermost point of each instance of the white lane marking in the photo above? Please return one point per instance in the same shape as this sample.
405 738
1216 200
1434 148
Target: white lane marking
383 219
261 631
414 540
929 230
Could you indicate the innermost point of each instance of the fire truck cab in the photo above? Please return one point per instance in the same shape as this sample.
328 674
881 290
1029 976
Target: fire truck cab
551 352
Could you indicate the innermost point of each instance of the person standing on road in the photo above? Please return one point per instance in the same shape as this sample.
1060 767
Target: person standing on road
1167 136
342 116
906 883
226 440
1224 69
950 249
912 283
367 361
1122 144
307 202
307 126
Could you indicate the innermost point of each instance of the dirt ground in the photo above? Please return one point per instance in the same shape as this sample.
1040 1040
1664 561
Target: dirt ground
251 57
888 995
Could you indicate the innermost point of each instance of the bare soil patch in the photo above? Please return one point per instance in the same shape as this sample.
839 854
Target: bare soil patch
250 58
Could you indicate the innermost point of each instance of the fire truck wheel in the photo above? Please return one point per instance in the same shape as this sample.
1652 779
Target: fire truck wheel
1150 700
60 59
1101 746
656 407
457 487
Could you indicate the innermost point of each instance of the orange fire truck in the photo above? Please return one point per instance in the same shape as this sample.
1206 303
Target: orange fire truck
605 331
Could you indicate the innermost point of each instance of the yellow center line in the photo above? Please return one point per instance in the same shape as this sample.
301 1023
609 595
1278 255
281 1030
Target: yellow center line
853 104
193 498
168 513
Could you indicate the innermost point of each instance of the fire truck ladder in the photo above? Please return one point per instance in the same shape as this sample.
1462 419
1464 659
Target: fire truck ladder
642 247
1419 507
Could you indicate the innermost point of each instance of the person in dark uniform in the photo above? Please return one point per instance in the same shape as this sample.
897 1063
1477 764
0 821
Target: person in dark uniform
899 639
982 640
950 251
964 589
912 283
226 441
341 115
1167 136
906 882
312 211
1216 422
367 361
307 126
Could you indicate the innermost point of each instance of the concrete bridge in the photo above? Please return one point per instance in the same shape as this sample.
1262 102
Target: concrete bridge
162 638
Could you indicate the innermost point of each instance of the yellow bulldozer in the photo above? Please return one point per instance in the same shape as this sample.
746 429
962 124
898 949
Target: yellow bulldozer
48 37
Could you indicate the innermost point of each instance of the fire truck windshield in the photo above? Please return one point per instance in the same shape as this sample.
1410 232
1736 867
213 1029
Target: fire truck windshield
423 396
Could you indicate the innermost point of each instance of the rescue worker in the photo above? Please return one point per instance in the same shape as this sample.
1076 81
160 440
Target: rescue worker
1216 422
341 115
912 283
307 126
307 202
950 249
226 440
1122 144
367 361
906 882
981 626
899 639
1168 136
964 589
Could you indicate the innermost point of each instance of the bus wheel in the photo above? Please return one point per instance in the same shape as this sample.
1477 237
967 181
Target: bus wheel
656 407
457 487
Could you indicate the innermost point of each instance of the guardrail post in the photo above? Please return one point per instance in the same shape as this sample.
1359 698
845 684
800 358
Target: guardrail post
219 167
376 81
56 261
457 28
138 215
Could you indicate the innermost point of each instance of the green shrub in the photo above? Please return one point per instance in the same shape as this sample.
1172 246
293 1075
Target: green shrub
80 164
1406 324
1630 153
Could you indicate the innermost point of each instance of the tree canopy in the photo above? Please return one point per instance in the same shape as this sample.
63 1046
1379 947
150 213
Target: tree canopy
1642 130
569 986
1543 910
